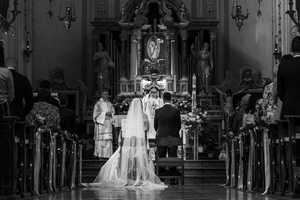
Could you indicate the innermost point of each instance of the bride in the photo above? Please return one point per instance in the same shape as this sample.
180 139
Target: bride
130 166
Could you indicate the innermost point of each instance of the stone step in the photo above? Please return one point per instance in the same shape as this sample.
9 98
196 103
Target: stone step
188 180
204 171
204 179
207 171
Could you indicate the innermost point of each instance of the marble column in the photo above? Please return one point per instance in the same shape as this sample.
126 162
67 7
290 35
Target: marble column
184 79
213 50
168 53
138 34
183 33
124 54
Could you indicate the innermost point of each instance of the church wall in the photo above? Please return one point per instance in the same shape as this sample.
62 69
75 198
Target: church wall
53 45
252 46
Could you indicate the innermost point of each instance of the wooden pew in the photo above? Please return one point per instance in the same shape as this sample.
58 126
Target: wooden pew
274 143
258 183
8 153
294 155
282 157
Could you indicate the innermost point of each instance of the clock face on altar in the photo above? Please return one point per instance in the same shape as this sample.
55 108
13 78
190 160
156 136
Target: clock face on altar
154 47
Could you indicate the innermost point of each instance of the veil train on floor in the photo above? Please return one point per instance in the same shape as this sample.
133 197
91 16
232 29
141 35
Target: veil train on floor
130 165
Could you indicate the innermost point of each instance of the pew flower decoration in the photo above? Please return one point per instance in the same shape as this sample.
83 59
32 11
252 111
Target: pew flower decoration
247 129
226 137
39 121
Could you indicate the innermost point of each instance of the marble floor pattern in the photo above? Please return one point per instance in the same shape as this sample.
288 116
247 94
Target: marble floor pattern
188 192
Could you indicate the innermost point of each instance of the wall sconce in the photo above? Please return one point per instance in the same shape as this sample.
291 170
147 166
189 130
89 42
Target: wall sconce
239 17
69 17
277 52
28 50
5 25
291 13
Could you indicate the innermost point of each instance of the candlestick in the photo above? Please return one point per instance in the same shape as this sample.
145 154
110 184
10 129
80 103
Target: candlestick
276 39
223 125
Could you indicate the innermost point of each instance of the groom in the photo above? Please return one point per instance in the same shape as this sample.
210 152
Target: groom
167 122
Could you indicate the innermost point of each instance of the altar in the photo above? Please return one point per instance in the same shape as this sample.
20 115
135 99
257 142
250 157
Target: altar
117 123
153 37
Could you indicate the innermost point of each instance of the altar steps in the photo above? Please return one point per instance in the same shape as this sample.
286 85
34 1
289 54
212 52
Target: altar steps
196 172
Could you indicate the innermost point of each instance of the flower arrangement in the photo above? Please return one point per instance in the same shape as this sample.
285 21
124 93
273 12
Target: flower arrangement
42 126
197 121
184 104
121 104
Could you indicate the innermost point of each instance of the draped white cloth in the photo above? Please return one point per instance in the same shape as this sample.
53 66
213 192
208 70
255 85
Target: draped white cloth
130 165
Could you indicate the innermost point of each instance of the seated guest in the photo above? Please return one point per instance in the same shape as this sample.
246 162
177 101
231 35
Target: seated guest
23 101
67 115
238 118
44 113
6 85
288 82
277 102
47 85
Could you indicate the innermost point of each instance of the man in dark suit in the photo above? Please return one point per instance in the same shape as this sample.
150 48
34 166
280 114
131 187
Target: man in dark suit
47 85
289 82
23 91
167 121
67 115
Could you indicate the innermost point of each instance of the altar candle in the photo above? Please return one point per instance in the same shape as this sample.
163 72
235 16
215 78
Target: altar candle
223 125
134 83
206 80
194 81
100 83
174 87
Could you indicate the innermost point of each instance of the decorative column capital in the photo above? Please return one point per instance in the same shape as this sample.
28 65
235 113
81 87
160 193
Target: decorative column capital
213 34
124 35
167 34
138 33
183 34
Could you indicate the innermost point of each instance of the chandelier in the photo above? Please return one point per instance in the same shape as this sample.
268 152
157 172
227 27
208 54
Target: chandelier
5 25
238 14
69 15
292 12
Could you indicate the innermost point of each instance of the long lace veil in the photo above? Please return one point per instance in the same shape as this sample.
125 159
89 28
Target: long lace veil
135 165
130 165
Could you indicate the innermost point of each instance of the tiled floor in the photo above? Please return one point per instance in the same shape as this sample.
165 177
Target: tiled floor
201 192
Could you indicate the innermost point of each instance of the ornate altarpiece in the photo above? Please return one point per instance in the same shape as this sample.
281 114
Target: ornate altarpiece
162 28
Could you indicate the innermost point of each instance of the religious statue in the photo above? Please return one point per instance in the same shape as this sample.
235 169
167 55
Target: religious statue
228 103
204 65
103 64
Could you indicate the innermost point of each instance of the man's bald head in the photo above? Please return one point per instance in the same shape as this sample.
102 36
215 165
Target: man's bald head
11 62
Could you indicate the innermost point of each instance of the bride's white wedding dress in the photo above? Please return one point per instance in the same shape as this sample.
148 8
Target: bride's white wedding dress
130 165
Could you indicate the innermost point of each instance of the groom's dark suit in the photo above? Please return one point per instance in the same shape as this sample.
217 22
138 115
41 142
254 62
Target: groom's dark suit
288 87
167 122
